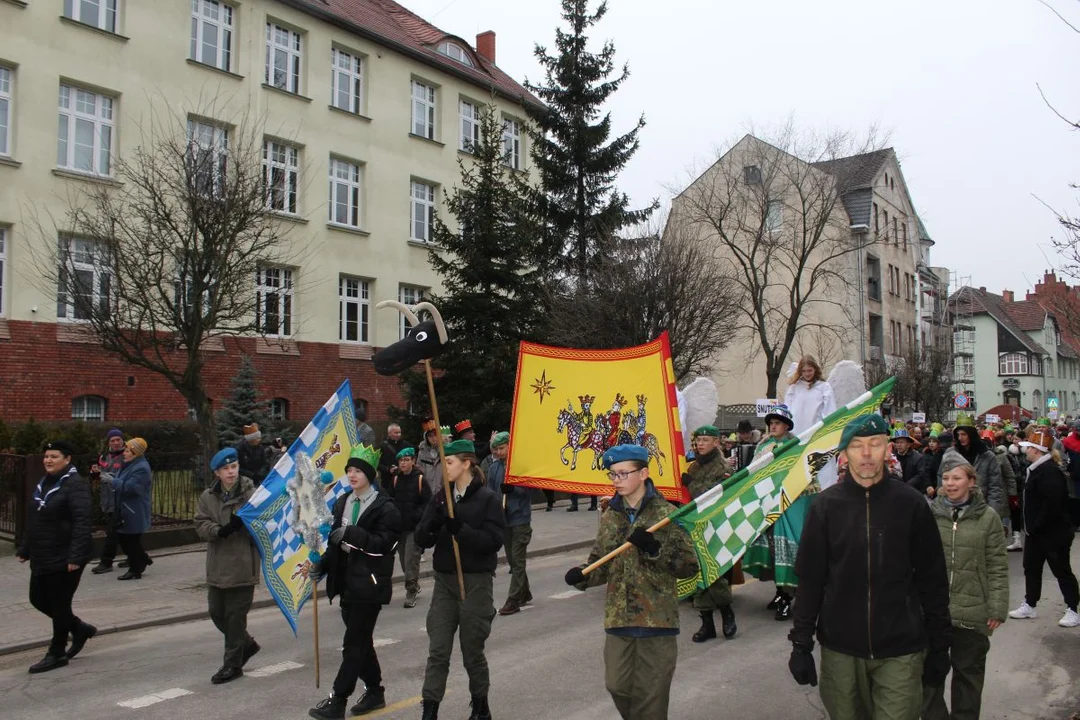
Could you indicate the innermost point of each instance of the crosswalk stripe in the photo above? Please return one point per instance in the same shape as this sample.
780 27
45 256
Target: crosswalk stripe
383 642
268 670
567 594
153 699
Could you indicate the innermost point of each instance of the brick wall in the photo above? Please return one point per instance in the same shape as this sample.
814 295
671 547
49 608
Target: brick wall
43 366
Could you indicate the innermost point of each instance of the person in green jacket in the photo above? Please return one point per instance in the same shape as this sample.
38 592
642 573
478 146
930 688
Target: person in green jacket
978 585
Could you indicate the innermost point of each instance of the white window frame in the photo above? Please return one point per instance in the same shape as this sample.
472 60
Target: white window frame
281 172
455 52
774 215
284 57
469 113
274 284
208 138
7 84
346 178
409 295
207 15
3 268
423 109
80 256
77 109
421 211
278 409
1013 364
81 408
346 79
354 292
512 143
108 13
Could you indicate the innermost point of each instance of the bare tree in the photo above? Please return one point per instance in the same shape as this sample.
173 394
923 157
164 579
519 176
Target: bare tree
773 215
165 261
649 286
924 381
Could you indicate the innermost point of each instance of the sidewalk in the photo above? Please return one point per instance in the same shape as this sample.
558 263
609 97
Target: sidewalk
173 590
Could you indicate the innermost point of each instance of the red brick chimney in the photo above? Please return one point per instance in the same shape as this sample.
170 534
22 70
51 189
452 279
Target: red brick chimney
485 45
1007 295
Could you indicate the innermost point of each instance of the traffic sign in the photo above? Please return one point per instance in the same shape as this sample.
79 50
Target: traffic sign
961 400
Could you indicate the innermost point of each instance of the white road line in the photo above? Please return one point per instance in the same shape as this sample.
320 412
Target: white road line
148 700
268 670
383 642
567 594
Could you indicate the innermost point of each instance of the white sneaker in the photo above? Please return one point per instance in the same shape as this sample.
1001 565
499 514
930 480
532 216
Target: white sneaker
1024 612
1017 544
1070 619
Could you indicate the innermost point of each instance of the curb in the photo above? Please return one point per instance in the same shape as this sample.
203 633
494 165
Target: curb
258 604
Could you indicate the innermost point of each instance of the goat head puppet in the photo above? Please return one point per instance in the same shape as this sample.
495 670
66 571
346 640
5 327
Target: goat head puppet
422 341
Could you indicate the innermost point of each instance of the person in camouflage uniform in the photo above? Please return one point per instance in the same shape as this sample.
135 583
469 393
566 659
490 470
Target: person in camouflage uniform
707 471
641 614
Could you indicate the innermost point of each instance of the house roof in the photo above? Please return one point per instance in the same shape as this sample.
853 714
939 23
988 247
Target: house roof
855 175
980 301
1028 315
389 24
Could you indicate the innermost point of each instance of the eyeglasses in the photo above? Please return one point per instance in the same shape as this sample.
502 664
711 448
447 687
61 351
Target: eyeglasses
621 476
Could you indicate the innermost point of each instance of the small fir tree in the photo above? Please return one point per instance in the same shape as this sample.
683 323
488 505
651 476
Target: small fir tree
29 437
242 407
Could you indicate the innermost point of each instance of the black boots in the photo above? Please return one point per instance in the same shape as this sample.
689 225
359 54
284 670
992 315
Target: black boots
430 710
79 636
783 606
373 699
47 663
776 599
480 709
332 708
226 673
249 652
102 567
708 628
727 617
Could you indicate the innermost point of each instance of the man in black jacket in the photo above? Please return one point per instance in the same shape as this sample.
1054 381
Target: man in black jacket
873 585
411 495
392 445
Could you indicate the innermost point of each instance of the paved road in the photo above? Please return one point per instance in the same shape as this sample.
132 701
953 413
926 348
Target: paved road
546 663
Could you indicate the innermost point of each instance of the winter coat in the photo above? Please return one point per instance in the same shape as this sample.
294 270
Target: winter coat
705 473
388 458
411 495
911 467
988 471
1072 451
133 488
58 523
977 562
363 575
518 500
1008 477
809 404
641 590
254 460
1046 514
233 560
872 575
110 463
482 531
427 457
931 467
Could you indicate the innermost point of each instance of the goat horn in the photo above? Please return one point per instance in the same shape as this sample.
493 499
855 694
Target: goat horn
401 308
437 316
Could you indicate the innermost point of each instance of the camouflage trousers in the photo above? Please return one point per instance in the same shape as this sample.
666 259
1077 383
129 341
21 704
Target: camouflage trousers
638 672
714 597
854 688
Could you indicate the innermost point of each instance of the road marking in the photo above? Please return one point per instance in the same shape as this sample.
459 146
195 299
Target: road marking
268 670
383 642
397 706
567 594
148 700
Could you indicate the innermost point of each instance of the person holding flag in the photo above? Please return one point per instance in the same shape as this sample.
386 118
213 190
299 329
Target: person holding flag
641 615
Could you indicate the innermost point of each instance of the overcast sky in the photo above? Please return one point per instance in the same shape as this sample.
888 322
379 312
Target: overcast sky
952 81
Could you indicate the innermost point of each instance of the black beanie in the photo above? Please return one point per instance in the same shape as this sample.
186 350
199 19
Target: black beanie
363 466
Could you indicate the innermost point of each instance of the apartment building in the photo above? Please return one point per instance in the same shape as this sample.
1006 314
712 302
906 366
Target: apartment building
367 109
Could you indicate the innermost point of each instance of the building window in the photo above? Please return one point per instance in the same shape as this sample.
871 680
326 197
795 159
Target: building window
279 409
877 221
352 309
88 408
208 149
85 136
281 167
84 280
470 126
347 81
1013 364
344 193
211 33
895 232
423 211
274 301
873 277
5 111
97 13
3 267
774 215
1036 401
1048 367
423 110
408 295
360 406
512 143
969 366
455 52
282 58
903 234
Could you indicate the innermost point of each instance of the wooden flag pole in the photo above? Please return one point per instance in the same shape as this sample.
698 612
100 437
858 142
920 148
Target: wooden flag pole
315 615
621 549
445 476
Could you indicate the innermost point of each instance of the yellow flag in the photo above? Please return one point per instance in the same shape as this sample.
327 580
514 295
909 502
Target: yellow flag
572 405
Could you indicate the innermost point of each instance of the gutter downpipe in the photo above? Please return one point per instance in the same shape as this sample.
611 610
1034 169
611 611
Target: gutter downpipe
860 231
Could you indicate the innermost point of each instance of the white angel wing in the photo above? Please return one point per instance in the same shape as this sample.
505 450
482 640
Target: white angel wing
698 402
847 382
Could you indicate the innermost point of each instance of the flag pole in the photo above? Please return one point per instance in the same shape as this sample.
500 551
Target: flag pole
621 549
315 614
445 476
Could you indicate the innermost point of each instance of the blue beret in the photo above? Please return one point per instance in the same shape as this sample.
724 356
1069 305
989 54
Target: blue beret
622 453
224 457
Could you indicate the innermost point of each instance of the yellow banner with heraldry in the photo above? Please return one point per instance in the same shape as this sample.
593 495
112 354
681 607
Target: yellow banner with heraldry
571 405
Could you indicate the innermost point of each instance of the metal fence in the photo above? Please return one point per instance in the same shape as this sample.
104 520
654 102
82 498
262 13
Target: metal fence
12 494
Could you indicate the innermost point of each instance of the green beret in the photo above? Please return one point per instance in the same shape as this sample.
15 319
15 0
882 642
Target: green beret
863 426
709 430
500 439
407 452
460 447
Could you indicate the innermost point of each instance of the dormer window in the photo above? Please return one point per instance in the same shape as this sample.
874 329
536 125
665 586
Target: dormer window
455 52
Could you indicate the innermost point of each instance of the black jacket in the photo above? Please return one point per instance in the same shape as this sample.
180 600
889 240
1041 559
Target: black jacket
254 460
363 575
912 465
58 523
872 575
411 495
482 530
1046 503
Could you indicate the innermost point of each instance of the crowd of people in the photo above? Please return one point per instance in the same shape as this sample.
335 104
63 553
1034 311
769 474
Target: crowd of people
914 521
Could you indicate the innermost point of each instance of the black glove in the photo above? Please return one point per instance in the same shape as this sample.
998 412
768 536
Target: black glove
453 524
802 665
574 576
225 530
236 523
645 541
936 668
316 573
686 479
507 489
337 535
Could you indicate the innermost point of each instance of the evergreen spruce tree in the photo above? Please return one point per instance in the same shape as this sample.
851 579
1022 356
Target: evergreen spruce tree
573 149
491 286
242 407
